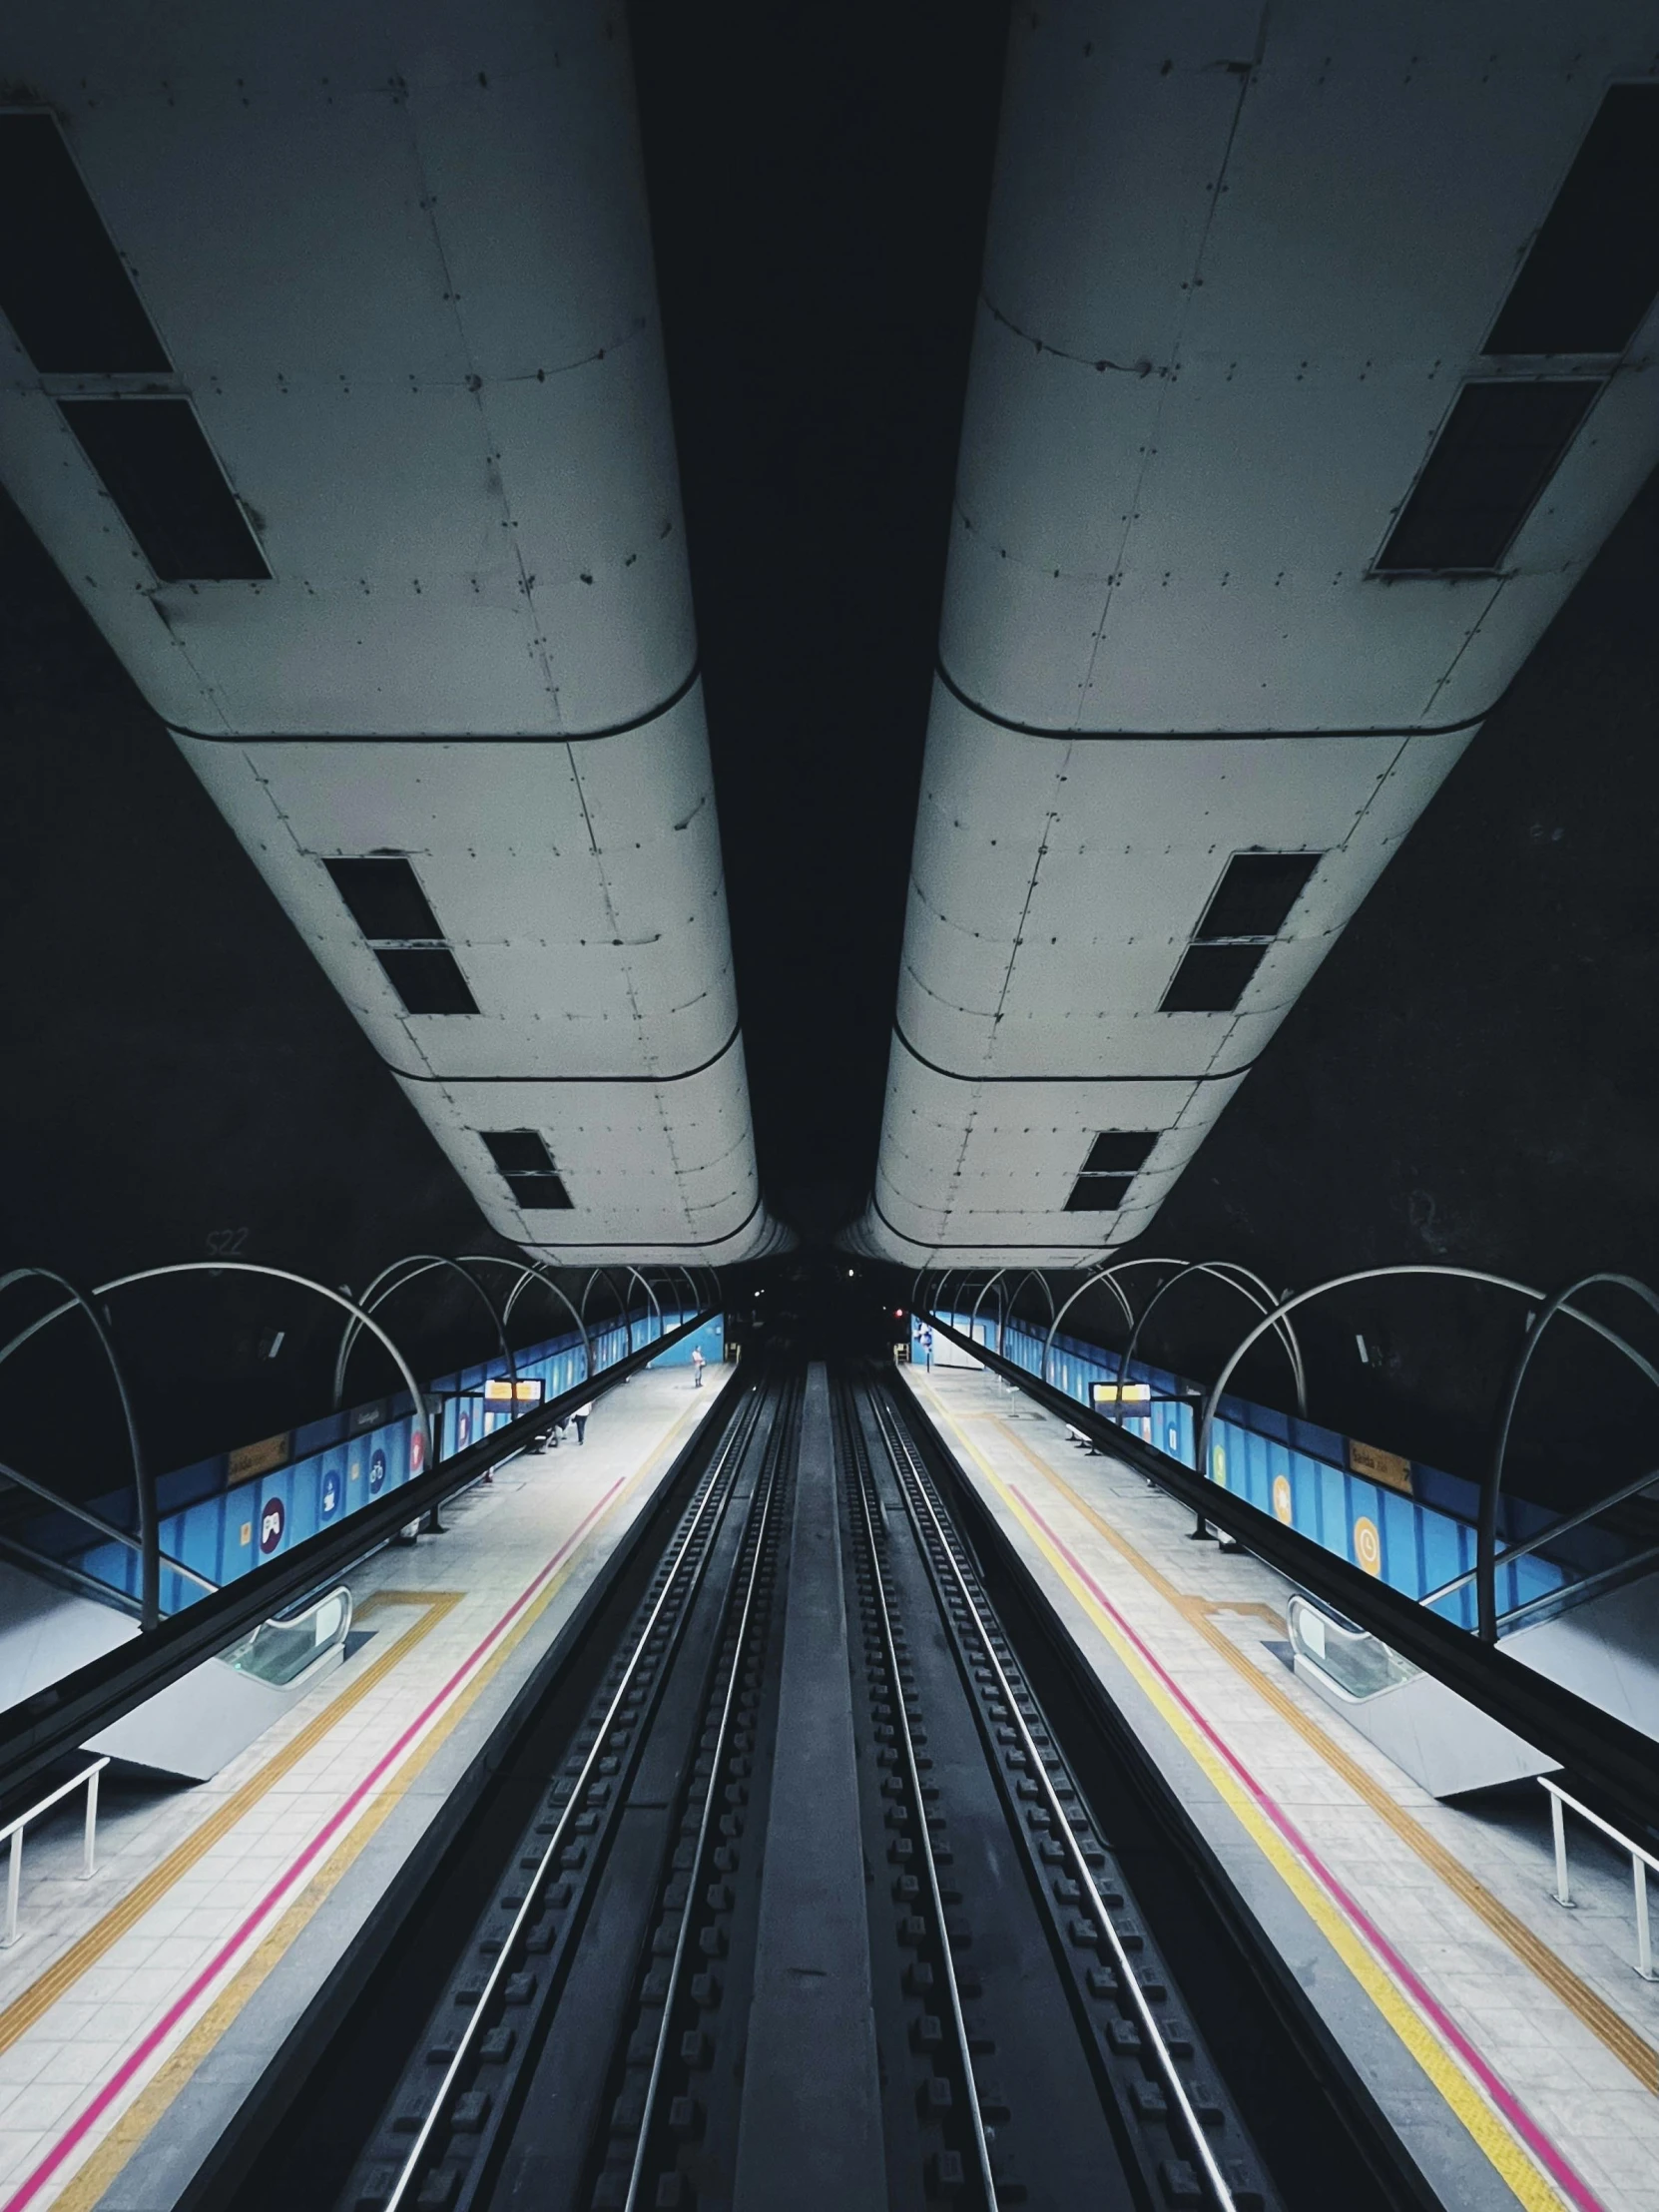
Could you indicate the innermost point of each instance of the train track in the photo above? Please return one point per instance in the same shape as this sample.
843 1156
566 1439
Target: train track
811 1906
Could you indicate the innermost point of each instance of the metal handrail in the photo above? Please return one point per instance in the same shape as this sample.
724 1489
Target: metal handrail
1486 1542
149 1534
144 1481
96 1520
1640 1861
1492 1484
1576 1593
12 1835
1547 1535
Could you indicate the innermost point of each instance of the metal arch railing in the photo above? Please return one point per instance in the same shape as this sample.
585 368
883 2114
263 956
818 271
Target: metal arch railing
528 1271
1107 1276
397 1276
621 1301
1287 1333
1031 1274
674 1291
149 1571
144 1481
990 1284
1256 1294
1485 1550
1090 1281
655 1305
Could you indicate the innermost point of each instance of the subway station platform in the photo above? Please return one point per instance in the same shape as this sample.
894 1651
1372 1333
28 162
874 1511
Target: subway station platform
138 2009
1508 2039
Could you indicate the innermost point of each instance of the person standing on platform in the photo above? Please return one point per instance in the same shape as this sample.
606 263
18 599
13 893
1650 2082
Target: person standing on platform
580 1417
697 1366
927 1350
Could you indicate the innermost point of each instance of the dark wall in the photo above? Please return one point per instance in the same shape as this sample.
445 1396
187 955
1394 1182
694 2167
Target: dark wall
181 1078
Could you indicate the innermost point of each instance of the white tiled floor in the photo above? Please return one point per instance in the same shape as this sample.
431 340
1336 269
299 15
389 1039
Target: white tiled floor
82 1996
1599 2108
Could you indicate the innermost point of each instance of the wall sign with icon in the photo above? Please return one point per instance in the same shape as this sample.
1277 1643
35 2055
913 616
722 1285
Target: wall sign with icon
273 1520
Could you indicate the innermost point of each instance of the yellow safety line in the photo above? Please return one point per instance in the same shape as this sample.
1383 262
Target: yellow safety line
66 1970
96 2176
1609 2026
1516 2167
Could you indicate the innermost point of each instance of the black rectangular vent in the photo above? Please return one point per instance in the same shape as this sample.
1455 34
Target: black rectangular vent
1255 896
428 981
543 1194
387 902
1593 268
1247 908
63 287
1495 452
385 899
1210 978
1098 1193
1110 1168
518 1151
527 1168
161 473
1120 1151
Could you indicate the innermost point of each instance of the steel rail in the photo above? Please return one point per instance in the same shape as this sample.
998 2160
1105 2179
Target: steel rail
735 1441
1037 1765
959 2020
711 1797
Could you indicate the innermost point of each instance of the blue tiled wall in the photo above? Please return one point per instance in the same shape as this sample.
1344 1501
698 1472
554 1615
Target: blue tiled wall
222 1527
1299 1472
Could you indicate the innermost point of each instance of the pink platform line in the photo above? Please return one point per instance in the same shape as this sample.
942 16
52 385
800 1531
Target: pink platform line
1445 2025
89 2116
